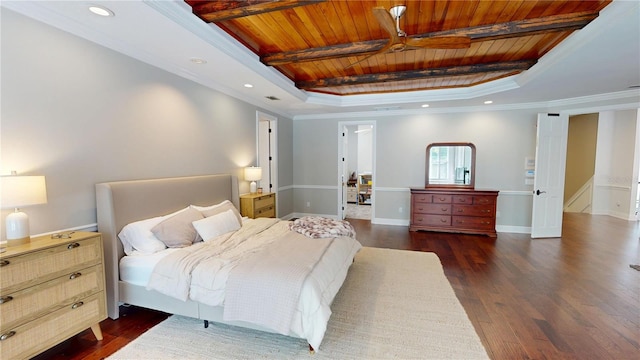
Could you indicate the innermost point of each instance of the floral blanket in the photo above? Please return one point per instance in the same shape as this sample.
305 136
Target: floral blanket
321 227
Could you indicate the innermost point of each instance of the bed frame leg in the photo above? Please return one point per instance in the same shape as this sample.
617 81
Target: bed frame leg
311 350
206 324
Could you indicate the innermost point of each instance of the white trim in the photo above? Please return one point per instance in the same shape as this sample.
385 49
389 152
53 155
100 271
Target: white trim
285 188
392 222
88 227
513 229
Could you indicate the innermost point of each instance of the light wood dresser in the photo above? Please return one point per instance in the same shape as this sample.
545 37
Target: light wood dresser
50 290
454 210
258 205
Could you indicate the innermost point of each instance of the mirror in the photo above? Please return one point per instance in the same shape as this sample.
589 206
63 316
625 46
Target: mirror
450 165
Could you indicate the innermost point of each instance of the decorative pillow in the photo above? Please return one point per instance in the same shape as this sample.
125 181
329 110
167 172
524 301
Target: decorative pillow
219 208
213 226
138 236
177 230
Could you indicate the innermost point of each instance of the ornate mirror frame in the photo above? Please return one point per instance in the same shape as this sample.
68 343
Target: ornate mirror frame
468 173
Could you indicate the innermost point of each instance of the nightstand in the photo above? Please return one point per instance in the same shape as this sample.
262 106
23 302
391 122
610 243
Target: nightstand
258 205
50 290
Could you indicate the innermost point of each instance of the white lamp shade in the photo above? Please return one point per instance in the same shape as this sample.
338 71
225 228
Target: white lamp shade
253 173
19 191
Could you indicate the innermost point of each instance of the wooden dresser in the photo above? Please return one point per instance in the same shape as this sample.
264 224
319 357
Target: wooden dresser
50 290
258 205
454 210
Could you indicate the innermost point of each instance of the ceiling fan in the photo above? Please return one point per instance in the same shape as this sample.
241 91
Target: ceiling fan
398 40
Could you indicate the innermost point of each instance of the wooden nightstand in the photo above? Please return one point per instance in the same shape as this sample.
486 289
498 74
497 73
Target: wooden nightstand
50 290
258 205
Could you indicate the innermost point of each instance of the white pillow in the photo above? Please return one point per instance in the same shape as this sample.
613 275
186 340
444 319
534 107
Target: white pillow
218 208
213 226
138 236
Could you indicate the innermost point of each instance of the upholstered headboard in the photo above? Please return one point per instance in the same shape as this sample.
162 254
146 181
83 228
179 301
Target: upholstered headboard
122 202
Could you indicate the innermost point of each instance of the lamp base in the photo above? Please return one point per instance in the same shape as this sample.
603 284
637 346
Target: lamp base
17 227
253 187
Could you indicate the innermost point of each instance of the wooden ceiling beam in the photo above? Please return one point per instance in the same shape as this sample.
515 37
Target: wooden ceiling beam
520 65
554 23
222 10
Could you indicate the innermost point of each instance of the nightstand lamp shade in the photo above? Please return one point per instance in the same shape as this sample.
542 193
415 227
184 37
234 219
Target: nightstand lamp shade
16 192
253 174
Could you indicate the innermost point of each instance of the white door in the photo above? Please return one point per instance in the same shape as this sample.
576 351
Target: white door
548 184
267 145
344 173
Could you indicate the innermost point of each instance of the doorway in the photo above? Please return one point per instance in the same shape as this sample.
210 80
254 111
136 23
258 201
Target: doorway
356 170
266 145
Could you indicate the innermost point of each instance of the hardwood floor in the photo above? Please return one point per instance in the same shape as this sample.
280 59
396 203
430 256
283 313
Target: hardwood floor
569 298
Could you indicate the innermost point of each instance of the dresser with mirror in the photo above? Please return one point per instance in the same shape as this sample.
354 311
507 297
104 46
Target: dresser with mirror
449 201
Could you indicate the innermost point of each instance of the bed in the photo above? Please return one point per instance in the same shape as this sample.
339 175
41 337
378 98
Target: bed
121 203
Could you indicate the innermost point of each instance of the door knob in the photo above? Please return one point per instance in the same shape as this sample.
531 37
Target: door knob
538 192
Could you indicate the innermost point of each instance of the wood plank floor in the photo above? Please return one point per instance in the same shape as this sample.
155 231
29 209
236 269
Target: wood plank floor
569 298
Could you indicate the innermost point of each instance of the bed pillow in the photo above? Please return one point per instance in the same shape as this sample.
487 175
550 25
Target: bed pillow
218 209
138 236
177 231
213 226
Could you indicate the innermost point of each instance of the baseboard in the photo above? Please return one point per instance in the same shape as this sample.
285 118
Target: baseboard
513 229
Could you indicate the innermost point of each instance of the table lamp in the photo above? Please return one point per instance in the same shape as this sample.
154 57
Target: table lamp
16 192
253 174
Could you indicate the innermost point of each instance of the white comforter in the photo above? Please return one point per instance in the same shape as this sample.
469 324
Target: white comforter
200 273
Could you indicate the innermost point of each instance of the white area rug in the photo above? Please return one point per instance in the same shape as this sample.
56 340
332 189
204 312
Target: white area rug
395 304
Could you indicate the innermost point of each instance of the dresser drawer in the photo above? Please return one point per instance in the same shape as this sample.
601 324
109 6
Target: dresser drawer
470 222
484 200
473 210
442 199
264 201
437 209
431 220
422 198
37 267
463 199
269 211
30 339
31 303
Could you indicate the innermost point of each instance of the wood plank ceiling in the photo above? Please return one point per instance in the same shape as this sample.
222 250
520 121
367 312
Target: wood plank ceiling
343 47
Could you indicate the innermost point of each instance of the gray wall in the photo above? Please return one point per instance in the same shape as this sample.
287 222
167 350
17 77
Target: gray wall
80 114
503 140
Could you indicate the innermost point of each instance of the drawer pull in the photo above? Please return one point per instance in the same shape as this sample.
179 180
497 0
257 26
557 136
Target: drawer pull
75 276
77 305
462 200
72 246
443 220
443 199
5 299
5 262
444 209
7 335
460 210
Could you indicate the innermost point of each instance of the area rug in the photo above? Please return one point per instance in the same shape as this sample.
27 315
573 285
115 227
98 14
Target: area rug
394 304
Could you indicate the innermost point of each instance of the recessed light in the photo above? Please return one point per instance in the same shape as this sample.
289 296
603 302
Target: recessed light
198 61
425 105
248 85
488 102
101 10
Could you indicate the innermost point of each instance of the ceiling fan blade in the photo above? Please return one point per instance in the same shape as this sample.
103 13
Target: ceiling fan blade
387 23
381 51
440 42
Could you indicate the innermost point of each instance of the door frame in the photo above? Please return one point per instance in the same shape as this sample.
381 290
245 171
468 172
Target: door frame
341 181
